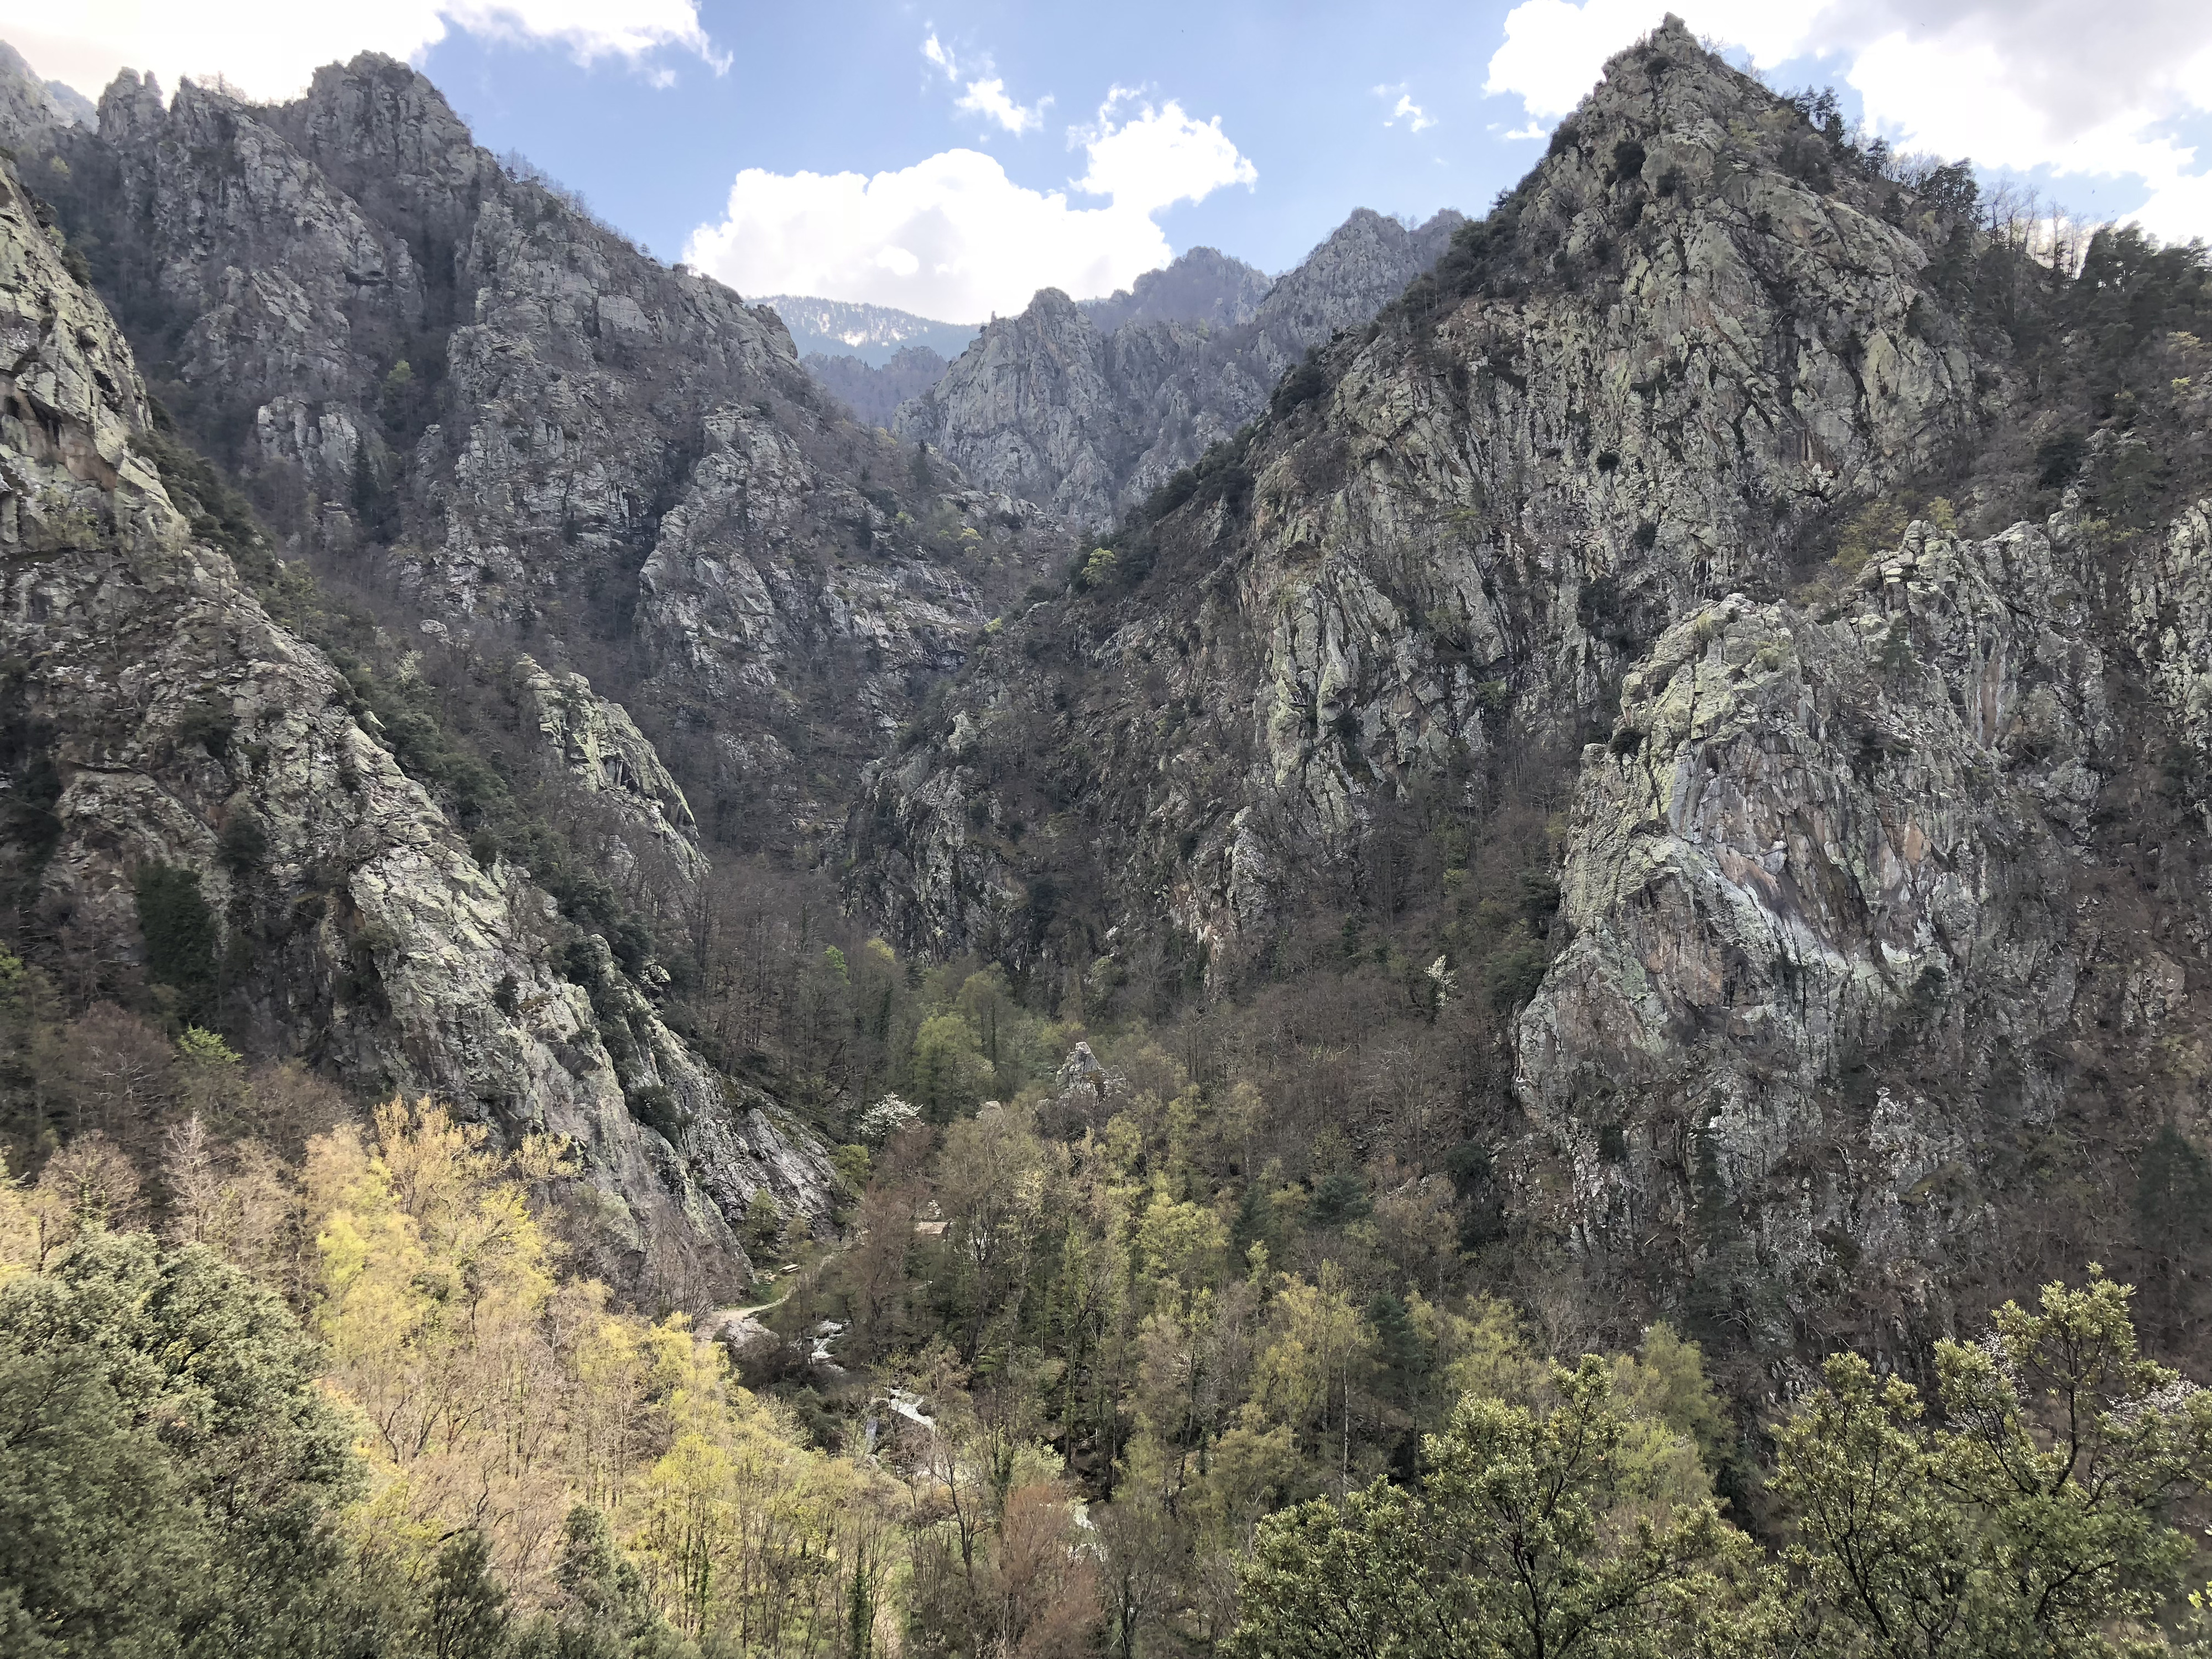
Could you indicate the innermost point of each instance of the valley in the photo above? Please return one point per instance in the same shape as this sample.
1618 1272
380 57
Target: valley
1218 920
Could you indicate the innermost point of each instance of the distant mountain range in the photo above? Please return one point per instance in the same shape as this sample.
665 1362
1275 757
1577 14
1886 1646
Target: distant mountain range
874 334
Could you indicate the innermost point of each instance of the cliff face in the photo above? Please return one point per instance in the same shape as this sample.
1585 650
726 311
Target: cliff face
1455 537
1089 408
447 379
214 816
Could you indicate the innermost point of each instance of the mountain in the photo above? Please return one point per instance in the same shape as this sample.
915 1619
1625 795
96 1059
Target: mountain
496 448
29 106
188 772
1201 285
1088 409
1666 724
873 334
873 393
1726 636
445 380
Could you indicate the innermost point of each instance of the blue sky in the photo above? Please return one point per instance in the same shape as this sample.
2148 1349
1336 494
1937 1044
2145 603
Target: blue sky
989 148
843 84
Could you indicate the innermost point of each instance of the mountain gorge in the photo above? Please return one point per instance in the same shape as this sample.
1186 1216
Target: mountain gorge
661 997
1089 408
1663 730
504 432
1717 530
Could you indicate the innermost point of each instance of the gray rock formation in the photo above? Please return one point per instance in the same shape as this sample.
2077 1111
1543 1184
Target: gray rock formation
1201 285
1831 889
182 730
30 108
438 375
1882 886
1443 548
1089 408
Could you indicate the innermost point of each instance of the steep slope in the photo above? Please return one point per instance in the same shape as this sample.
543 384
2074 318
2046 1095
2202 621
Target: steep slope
874 392
1882 897
199 805
1621 394
446 382
1089 408
31 108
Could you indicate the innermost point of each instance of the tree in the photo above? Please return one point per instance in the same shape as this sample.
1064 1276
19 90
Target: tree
991 1181
2033 1520
161 1413
950 1071
1520 1543
98 1544
464 1614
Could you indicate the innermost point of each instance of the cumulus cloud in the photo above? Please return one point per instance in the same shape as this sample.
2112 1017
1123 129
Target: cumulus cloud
954 237
2017 84
987 95
1157 157
269 48
1416 119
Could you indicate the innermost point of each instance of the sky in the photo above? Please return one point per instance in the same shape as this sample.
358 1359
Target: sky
950 158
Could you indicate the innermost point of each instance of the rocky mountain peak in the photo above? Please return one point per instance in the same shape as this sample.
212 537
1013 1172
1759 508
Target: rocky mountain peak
131 108
383 130
1201 285
1065 407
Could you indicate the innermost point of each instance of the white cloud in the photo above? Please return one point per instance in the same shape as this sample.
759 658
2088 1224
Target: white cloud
2080 86
987 95
953 237
1417 119
989 99
1158 157
268 49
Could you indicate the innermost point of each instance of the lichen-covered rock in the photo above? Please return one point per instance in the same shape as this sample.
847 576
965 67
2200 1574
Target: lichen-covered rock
594 747
183 728
1821 886
2169 620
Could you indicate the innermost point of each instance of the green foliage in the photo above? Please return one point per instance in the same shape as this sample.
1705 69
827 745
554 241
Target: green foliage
1098 570
161 1412
1299 386
2036 1518
763 1229
243 844
1523 1539
951 1072
464 1614
209 725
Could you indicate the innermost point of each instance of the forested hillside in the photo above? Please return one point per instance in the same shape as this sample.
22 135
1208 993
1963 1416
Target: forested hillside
1544 1008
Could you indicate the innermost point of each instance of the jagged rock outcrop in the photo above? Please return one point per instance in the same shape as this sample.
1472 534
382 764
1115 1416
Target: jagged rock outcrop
1089 408
442 375
1834 902
1199 285
595 748
1672 349
176 734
